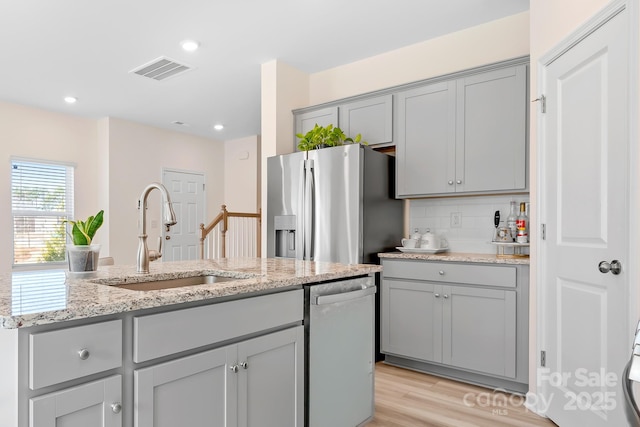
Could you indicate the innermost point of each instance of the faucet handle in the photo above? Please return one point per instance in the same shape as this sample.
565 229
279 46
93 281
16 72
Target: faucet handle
154 255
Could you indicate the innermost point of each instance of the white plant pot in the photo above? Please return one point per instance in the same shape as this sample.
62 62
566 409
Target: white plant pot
83 257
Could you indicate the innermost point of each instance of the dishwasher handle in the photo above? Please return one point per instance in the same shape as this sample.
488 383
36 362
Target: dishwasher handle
342 297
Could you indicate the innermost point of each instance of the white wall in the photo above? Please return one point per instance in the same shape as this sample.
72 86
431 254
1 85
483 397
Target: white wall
38 134
137 155
476 228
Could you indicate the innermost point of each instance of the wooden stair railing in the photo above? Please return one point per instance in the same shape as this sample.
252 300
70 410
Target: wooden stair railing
223 219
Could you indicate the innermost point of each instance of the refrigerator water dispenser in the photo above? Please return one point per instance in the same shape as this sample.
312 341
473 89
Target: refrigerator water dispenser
285 229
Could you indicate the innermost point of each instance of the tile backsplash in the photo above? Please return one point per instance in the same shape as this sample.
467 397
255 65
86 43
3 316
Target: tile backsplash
474 231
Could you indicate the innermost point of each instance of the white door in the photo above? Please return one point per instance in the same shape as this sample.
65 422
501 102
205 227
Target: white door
584 176
186 189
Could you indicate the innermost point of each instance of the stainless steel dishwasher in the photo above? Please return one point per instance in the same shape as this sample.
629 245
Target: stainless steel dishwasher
339 328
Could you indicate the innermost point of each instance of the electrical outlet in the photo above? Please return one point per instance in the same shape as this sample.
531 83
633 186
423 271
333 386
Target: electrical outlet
456 219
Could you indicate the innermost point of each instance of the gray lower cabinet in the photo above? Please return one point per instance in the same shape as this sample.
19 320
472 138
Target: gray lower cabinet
464 135
462 320
258 382
98 403
238 362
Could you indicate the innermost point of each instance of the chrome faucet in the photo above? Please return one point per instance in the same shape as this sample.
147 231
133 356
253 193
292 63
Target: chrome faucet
144 255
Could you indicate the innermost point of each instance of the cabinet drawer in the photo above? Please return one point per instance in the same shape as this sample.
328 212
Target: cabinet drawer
66 354
449 272
162 334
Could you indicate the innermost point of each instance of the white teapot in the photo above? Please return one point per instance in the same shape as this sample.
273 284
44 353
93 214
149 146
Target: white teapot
431 240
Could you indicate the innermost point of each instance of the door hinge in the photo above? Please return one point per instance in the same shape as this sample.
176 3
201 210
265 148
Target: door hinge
543 231
543 102
543 358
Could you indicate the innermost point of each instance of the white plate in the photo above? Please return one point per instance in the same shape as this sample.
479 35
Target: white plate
421 250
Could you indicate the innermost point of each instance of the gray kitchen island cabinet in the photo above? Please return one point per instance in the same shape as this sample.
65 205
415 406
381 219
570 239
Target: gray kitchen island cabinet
257 382
97 403
237 362
466 321
466 134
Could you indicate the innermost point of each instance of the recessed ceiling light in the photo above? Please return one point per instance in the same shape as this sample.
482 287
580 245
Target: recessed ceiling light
190 45
218 127
70 99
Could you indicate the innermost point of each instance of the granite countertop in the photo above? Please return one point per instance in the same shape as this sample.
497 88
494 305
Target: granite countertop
48 296
458 257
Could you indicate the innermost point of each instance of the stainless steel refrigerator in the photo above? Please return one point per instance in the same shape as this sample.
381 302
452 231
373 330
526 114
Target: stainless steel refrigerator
334 204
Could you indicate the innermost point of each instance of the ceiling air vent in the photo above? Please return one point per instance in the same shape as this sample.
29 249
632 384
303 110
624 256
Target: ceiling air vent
161 69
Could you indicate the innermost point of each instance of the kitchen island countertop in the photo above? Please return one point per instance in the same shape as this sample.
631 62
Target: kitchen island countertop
458 257
47 296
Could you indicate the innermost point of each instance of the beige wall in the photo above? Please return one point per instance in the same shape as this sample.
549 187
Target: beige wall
114 159
242 175
43 135
137 156
551 21
484 44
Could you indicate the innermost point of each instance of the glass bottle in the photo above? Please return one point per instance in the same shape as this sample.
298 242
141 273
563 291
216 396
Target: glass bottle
512 220
523 225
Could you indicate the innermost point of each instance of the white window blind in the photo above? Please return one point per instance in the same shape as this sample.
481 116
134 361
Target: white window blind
41 199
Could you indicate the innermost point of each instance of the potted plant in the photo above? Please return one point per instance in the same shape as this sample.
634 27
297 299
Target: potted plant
82 254
325 136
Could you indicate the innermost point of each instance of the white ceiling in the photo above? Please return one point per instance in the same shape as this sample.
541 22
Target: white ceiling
87 48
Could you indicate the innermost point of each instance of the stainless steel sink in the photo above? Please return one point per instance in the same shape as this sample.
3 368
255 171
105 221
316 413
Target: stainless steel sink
175 283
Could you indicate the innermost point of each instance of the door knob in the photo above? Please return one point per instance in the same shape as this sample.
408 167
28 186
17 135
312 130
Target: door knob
615 267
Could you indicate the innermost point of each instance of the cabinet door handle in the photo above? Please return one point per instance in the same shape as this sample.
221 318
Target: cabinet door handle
244 365
450 182
234 368
459 181
441 272
446 296
437 295
84 354
116 407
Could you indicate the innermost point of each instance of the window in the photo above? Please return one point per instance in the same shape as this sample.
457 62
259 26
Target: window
41 200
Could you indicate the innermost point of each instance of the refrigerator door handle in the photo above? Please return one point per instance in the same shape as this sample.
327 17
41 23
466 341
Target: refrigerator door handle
309 196
300 231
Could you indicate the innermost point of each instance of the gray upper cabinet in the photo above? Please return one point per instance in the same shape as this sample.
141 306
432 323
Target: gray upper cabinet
304 122
425 147
491 131
371 117
464 135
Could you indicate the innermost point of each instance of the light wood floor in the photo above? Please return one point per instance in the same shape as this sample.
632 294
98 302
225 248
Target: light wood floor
405 398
